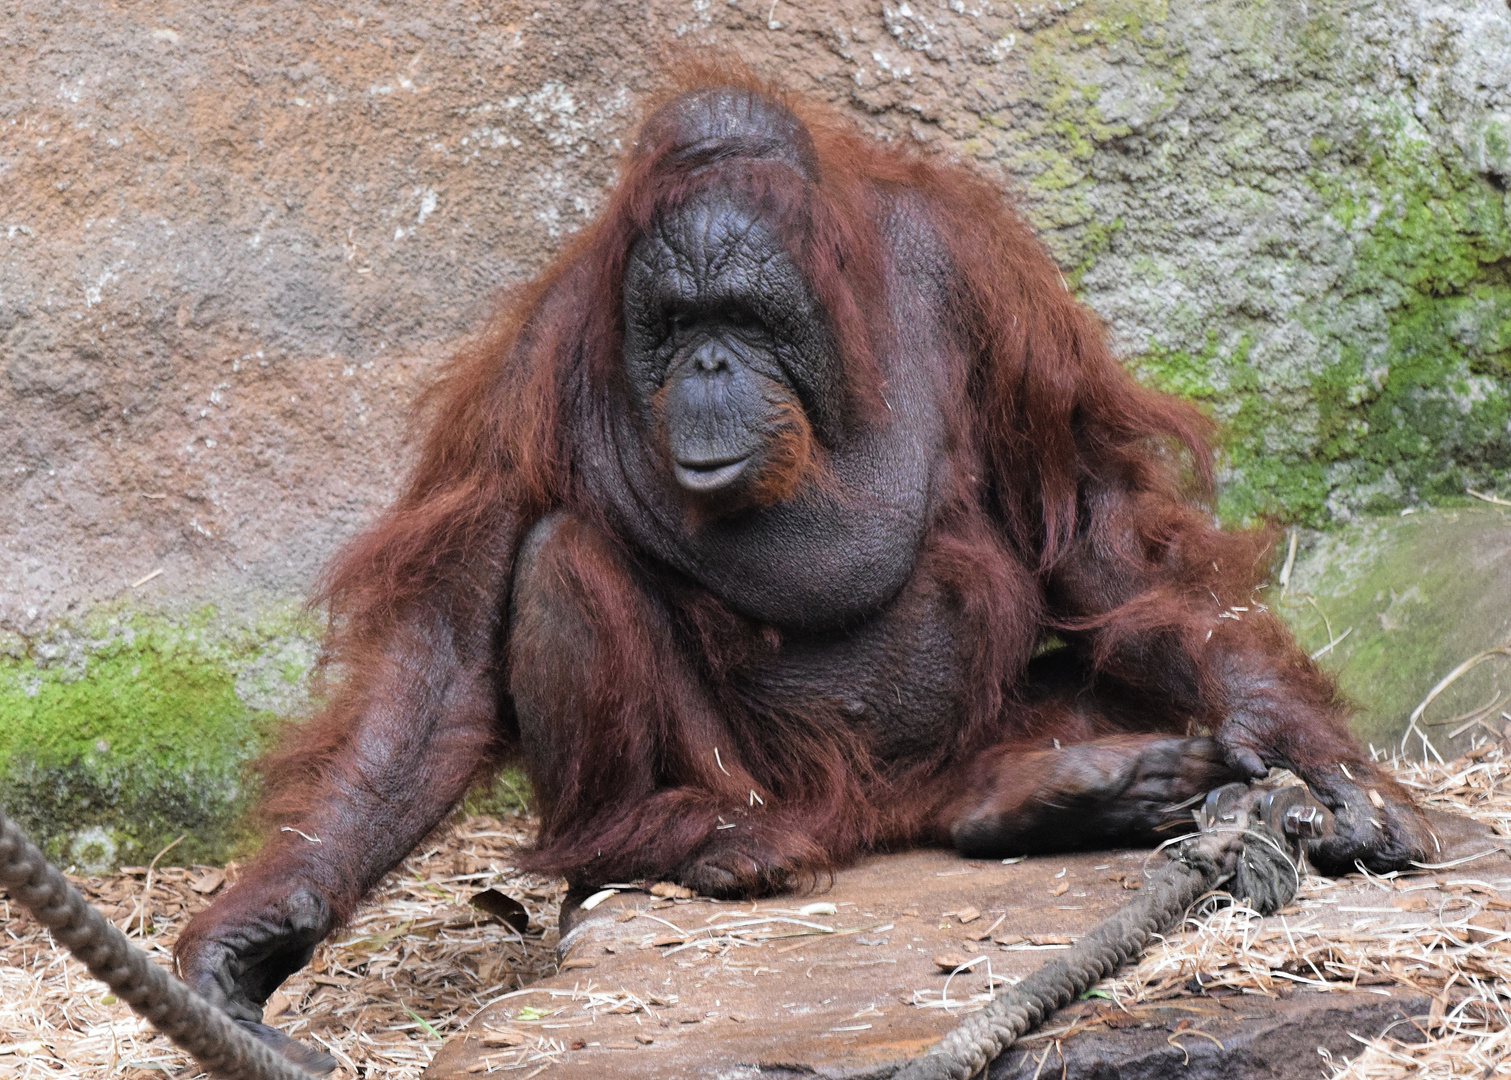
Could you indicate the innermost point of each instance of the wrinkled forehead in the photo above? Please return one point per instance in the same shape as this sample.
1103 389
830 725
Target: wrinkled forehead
715 234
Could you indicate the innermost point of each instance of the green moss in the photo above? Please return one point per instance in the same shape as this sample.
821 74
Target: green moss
130 729
1415 421
1096 239
1051 143
509 794
1176 371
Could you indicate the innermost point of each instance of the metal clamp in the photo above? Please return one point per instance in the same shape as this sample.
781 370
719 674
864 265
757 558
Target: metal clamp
1289 809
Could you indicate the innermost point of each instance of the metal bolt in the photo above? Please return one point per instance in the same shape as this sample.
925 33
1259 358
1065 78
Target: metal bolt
1304 821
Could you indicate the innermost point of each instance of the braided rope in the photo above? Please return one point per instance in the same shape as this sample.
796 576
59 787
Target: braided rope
1266 878
210 1036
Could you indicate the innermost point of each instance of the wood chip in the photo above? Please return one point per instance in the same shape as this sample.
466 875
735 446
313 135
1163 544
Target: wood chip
278 1004
505 1037
951 961
208 882
671 890
577 963
969 914
1060 889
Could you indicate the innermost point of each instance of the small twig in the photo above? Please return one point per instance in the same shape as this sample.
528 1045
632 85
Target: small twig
1326 622
1290 562
1486 498
1320 653
1443 684
141 924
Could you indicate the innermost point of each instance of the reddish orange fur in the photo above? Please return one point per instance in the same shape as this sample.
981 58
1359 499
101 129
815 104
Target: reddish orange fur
1046 414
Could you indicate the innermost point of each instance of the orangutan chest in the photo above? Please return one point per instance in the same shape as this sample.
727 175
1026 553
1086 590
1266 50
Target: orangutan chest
895 678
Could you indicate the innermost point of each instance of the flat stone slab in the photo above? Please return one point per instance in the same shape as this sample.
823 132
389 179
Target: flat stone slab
843 981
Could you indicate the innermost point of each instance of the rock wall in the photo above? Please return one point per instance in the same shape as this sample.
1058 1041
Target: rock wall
235 239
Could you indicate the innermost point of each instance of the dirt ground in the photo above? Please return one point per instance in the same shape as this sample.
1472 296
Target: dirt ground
419 961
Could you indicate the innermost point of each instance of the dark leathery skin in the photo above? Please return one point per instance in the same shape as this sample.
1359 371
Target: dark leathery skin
245 961
829 556
1381 838
1129 789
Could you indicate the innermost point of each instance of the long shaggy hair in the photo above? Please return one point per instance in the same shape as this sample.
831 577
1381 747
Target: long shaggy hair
1042 413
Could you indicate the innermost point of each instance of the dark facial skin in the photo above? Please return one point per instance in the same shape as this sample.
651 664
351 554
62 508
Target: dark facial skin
723 345
724 342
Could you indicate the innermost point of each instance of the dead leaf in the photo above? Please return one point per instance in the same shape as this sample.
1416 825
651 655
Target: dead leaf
505 909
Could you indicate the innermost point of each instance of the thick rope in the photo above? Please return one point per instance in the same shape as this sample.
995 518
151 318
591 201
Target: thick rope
210 1036
1264 878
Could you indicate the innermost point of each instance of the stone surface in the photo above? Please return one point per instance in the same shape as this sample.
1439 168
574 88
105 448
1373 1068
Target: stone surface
846 1003
1408 600
1279 1038
237 238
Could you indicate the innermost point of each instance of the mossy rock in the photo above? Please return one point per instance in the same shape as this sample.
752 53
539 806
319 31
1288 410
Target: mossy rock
1408 600
128 729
